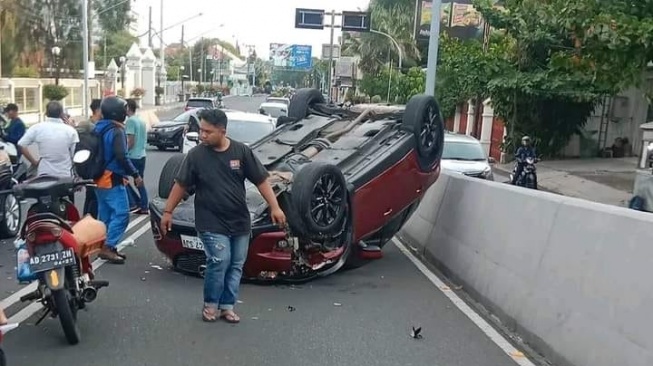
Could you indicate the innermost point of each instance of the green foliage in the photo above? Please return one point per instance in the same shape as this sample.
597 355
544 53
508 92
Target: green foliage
54 92
25 72
402 86
118 44
113 15
563 56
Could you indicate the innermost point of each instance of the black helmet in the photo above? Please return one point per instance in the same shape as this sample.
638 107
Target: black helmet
114 109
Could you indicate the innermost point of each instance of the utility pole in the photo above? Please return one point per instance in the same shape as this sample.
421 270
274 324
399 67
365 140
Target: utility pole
91 51
162 53
149 28
434 44
333 28
85 37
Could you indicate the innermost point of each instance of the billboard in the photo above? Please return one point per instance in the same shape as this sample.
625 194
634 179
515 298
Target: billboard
458 19
293 56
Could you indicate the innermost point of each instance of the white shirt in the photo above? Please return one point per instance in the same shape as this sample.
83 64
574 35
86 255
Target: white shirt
56 142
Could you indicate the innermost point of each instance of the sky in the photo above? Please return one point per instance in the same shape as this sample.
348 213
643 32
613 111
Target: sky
251 22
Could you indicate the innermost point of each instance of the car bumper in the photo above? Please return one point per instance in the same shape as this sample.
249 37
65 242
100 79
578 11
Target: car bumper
163 138
268 250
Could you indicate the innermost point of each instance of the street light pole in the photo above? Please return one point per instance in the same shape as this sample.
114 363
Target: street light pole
396 44
434 44
55 53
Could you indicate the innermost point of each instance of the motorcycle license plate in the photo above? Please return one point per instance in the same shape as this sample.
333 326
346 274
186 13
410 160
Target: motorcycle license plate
192 242
46 261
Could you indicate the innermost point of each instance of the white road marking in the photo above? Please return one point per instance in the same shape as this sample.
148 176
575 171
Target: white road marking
35 307
15 297
512 352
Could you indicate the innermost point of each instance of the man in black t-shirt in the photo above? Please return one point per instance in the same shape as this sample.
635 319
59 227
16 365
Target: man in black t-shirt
217 170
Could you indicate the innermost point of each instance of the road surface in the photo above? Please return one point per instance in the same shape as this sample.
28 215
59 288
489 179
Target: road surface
150 315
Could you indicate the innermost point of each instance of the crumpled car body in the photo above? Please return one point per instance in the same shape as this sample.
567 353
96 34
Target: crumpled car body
347 179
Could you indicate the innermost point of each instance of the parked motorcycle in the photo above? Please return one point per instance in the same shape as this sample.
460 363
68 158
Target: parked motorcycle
55 246
527 178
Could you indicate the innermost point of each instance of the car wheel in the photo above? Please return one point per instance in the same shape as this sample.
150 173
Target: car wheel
168 173
11 216
422 117
319 200
303 100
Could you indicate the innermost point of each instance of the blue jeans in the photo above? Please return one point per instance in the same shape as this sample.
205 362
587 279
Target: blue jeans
139 164
113 210
225 257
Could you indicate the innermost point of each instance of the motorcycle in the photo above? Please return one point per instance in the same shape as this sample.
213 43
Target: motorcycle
527 178
55 247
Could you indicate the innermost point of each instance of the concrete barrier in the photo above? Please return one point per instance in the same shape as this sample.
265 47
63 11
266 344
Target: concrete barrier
573 278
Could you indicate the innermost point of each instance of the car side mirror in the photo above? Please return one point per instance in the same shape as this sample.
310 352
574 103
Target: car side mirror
193 136
491 160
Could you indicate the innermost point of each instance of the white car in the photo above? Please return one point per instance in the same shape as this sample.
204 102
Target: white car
273 109
281 100
241 126
464 154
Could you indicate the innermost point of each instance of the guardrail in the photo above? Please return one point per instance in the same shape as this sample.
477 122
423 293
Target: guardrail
571 277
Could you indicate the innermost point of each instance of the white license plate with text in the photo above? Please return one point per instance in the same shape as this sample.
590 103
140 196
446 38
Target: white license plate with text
192 242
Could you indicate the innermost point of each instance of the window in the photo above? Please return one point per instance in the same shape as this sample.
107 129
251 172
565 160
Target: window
247 131
31 100
199 103
183 117
470 151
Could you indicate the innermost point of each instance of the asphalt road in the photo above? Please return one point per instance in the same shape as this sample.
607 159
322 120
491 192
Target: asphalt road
150 315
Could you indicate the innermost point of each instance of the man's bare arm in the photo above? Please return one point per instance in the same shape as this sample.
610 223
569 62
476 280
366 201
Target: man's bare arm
268 194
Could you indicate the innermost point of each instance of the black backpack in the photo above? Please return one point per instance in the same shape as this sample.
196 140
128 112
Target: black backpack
94 166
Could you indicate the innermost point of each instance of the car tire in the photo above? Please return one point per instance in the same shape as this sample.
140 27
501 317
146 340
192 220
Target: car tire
168 174
302 101
313 183
423 119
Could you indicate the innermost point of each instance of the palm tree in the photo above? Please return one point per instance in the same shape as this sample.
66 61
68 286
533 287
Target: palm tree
375 50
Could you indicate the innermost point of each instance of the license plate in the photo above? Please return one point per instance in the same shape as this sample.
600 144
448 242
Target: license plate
192 242
47 261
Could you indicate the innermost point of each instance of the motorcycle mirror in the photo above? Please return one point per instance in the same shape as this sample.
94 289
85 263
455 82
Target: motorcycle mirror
81 156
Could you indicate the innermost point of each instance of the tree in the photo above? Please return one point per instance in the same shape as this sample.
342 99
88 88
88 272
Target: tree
115 45
113 16
564 56
11 42
395 18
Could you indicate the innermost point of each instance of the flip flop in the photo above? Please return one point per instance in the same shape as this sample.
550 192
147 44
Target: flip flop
232 318
209 315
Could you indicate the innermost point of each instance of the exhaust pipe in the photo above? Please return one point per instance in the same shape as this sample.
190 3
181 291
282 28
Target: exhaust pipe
89 294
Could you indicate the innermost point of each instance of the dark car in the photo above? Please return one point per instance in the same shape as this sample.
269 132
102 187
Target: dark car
346 179
170 134
192 103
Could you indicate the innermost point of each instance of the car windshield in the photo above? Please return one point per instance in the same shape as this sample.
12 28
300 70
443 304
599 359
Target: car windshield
463 151
248 131
274 111
197 103
278 100
183 117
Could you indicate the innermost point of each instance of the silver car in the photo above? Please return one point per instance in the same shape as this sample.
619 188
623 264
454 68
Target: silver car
464 154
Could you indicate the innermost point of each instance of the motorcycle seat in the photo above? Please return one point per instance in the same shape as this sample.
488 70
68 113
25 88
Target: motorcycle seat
90 235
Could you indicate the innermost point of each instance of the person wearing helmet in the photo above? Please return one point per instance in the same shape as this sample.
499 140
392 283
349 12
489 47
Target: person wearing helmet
113 202
526 150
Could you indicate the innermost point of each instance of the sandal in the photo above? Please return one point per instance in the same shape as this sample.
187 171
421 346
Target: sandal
209 314
230 317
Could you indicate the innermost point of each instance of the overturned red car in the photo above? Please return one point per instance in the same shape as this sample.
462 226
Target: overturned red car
347 179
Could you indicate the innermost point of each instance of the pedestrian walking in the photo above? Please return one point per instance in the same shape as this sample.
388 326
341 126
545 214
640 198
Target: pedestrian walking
136 131
113 204
221 215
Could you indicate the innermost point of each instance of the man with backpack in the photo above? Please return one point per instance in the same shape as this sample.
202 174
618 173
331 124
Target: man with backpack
111 172
85 131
